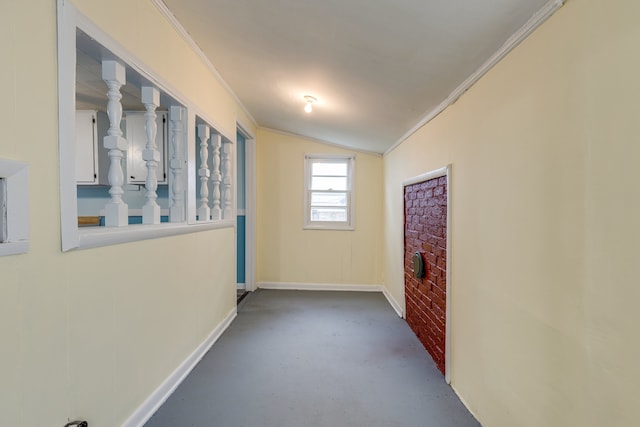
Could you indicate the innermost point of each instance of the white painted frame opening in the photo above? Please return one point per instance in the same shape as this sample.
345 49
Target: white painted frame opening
14 209
69 21
444 171
250 207
349 191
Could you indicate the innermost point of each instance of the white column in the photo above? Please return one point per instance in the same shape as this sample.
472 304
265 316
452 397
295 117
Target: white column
177 115
116 211
227 210
203 173
151 154
216 176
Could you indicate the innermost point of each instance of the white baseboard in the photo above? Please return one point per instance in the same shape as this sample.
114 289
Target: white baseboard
334 287
294 286
168 386
464 402
394 304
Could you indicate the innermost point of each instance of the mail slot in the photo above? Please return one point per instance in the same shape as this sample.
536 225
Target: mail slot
418 266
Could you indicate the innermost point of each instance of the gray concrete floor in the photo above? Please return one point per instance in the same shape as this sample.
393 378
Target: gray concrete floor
311 359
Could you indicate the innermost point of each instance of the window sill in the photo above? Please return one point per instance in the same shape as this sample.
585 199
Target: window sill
93 237
14 248
334 227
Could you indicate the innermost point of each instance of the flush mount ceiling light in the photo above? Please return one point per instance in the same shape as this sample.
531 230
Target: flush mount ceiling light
310 100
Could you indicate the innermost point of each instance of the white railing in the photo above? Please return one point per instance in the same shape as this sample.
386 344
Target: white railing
130 197
177 116
151 155
227 207
220 156
113 73
204 211
220 175
216 177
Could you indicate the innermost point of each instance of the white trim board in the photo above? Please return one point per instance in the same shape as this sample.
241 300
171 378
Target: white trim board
149 407
296 286
536 20
394 304
250 212
93 237
141 415
437 173
69 20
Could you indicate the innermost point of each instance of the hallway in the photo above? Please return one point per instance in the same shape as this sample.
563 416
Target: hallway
307 359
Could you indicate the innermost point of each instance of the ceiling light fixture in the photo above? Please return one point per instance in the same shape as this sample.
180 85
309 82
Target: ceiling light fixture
310 100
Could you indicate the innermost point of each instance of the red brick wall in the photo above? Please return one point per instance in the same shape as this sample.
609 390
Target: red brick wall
426 232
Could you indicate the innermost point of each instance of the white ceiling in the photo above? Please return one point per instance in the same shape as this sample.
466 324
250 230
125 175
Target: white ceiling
377 67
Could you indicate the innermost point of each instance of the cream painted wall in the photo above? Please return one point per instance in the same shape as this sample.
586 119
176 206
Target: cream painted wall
546 224
287 253
546 220
90 334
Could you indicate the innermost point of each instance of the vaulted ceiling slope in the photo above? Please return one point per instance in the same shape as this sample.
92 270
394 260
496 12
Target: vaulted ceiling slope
377 68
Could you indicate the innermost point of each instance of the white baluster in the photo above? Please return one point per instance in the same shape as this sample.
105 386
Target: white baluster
151 154
176 210
116 211
216 176
227 211
204 211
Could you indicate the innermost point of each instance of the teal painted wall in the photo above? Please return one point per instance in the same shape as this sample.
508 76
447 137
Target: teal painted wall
241 189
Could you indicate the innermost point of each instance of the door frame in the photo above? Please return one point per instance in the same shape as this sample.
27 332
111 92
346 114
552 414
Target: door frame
437 173
250 207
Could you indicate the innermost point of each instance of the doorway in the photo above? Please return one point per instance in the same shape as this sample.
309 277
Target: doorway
426 263
245 213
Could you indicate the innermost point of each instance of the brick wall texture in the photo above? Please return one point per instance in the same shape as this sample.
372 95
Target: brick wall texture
426 232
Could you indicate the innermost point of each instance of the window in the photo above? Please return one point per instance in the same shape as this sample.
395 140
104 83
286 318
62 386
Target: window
329 192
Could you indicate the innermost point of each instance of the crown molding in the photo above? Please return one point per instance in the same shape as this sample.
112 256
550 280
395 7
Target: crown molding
164 10
516 38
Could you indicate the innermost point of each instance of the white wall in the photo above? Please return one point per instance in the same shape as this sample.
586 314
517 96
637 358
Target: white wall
288 253
90 334
546 220
545 224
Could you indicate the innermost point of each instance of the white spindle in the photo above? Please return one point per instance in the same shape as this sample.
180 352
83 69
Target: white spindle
216 176
227 211
176 210
151 154
116 211
204 211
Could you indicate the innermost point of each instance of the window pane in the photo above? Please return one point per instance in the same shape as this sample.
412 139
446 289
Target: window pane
328 199
331 169
329 214
329 183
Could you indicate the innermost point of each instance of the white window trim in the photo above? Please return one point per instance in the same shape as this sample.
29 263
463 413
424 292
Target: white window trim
69 19
349 225
16 179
